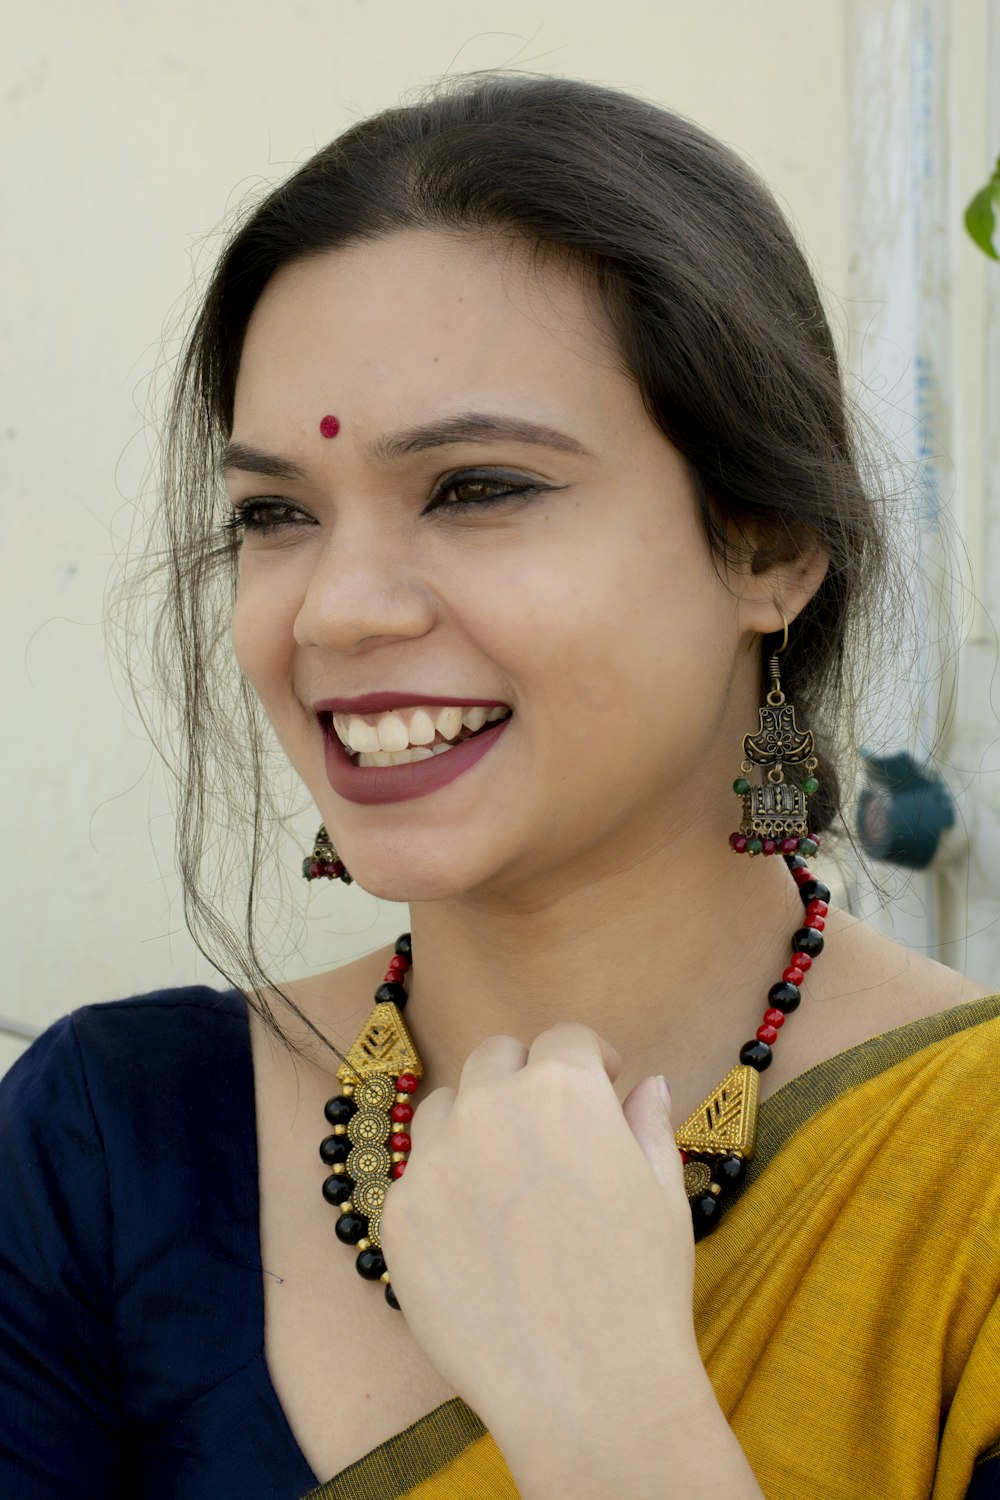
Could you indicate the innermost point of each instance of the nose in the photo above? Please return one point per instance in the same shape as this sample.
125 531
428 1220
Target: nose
360 594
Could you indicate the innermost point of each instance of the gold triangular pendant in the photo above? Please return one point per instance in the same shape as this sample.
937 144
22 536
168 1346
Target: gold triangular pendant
726 1124
383 1045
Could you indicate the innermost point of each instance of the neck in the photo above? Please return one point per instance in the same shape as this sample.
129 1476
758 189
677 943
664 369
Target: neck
670 960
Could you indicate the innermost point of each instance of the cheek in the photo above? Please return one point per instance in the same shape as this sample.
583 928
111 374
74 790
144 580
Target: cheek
262 634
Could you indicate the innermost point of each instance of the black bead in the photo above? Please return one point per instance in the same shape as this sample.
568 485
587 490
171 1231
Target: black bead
346 878
370 1264
391 992
390 1296
808 940
350 1228
756 1054
334 1150
784 996
728 1171
704 1214
337 1189
814 890
403 945
795 861
339 1109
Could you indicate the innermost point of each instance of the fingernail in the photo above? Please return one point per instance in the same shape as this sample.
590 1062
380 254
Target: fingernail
664 1090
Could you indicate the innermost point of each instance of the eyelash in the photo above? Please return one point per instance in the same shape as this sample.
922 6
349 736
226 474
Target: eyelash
510 488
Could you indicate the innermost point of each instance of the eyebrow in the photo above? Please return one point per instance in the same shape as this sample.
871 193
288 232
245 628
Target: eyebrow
468 427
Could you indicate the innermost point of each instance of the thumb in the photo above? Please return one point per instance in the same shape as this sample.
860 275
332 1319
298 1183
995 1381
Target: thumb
647 1113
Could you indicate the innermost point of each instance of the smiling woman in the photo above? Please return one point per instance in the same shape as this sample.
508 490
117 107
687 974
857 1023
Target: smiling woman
542 520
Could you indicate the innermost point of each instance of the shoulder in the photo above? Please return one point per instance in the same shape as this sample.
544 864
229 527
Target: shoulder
90 1068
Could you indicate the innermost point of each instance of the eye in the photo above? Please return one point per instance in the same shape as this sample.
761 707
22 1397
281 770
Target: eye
477 488
263 514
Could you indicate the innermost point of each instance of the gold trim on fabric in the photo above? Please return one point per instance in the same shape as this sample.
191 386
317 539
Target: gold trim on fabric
402 1462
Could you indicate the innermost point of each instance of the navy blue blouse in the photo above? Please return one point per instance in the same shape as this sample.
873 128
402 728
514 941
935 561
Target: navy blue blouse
131 1290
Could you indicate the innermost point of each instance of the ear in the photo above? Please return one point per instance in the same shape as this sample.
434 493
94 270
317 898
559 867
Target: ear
780 589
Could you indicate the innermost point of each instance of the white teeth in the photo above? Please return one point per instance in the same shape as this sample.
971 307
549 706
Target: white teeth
361 736
395 757
449 722
421 727
392 733
410 728
441 749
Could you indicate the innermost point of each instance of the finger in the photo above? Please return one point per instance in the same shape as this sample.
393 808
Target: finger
493 1058
429 1114
647 1113
572 1042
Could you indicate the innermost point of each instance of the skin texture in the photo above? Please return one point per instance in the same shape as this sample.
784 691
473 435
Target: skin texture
579 923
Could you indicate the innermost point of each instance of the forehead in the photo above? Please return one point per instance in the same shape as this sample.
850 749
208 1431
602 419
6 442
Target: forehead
420 320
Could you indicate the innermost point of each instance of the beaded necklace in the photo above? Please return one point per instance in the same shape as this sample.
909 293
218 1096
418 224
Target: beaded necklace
370 1145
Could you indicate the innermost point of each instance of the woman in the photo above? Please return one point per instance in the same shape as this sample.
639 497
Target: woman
534 442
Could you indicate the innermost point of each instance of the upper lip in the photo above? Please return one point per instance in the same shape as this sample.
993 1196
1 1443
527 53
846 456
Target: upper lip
377 703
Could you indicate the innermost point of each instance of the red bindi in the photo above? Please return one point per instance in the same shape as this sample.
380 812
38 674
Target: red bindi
329 426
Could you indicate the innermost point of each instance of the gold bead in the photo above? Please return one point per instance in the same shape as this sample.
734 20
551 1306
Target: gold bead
384 1277
399 1155
339 1170
340 1130
347 1207
363 1244
715 1190
347 1090
402 1098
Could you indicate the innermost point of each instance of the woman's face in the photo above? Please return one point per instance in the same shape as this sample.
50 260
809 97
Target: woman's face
496 520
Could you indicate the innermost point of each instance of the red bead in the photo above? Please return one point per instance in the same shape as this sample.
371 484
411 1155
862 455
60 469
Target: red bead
334 870
816 922
400 1142
402 1113
801 876
789 846
399 962
398 1168
803 962
733 837
774 1018
817 909
768 1034
684 1157
406 1084
316 869
770 847
741 845
793 975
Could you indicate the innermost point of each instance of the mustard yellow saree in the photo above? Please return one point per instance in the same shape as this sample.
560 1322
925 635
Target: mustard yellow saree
847 1305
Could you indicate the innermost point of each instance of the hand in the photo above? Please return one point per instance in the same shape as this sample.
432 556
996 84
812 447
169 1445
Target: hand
540 1245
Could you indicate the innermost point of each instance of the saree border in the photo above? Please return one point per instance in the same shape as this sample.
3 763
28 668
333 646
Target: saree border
405 1460
794 1104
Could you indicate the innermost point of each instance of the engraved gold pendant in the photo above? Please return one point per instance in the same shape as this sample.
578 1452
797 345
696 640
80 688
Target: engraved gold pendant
370 1143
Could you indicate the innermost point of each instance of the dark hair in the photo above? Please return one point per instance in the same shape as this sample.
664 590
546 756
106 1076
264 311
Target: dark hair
718 321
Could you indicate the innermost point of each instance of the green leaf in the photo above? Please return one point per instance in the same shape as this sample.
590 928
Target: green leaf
982 214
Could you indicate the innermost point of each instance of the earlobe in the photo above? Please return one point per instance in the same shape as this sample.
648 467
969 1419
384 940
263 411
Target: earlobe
776 595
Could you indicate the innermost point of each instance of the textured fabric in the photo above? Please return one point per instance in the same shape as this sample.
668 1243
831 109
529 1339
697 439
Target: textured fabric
847 1305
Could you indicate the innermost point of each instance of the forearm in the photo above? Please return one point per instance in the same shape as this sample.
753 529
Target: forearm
688 1452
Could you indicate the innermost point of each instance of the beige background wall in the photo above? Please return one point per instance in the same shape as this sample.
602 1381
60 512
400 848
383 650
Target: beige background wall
129 129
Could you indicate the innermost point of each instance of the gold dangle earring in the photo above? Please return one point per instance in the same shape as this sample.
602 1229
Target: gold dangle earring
717 1140
324 862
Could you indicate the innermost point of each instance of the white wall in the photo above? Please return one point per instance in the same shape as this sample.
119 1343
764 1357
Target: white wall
128 130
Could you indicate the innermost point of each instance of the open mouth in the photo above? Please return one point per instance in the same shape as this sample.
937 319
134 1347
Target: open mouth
407 735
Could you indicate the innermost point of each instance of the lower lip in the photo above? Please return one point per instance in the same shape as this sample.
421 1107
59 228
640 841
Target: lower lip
373 784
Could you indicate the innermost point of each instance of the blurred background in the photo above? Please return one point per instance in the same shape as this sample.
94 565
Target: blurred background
130 132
